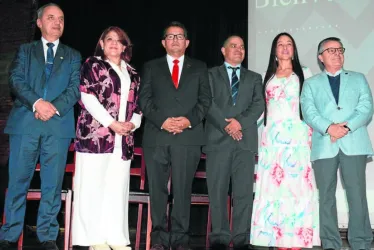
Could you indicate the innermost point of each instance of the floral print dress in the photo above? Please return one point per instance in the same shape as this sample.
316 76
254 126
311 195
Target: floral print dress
285 209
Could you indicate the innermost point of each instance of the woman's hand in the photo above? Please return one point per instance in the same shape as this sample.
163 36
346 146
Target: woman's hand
122 128
119 128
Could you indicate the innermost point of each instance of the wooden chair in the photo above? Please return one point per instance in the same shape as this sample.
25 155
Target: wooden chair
139 172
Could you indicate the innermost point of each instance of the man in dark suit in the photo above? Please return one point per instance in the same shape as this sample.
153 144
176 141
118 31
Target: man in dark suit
231 132
44 77
174 97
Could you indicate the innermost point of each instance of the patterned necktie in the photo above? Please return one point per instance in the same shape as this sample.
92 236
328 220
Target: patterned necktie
48 66
175 73
234 84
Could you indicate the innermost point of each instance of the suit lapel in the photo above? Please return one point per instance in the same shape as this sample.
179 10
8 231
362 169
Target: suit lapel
39 54
343 84
187 64
165 71
327 87
241 82
226 80
59 57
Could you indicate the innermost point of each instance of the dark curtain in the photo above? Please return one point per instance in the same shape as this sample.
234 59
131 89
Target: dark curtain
208 24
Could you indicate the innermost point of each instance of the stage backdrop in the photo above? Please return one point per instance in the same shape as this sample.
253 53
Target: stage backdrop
310 21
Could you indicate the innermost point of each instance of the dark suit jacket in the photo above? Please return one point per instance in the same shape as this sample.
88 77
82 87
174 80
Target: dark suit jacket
249 106
159 99
27 81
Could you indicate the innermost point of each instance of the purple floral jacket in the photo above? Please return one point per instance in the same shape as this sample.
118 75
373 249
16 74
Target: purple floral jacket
99 79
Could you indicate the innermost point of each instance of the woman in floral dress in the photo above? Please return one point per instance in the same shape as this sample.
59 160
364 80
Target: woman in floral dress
285 212
105 144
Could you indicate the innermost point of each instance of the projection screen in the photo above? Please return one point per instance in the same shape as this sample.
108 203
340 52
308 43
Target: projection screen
310 21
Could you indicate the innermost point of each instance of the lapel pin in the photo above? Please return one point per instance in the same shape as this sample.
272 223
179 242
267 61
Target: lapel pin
61 58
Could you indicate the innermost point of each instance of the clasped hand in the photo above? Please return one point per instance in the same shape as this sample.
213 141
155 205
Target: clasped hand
337 131
122 128
234 129
176 125
44 110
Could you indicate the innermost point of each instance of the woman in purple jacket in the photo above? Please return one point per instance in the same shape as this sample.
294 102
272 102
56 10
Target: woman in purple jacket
105 144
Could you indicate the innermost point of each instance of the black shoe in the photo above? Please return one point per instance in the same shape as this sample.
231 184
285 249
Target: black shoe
242 247
49 245
4 244
219 246
158 247
181 247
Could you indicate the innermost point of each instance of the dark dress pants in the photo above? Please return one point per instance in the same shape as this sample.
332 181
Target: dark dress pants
238 165
352 169
181 162
24 153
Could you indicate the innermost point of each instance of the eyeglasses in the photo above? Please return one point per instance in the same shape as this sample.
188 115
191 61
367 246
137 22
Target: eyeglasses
172 36
333 50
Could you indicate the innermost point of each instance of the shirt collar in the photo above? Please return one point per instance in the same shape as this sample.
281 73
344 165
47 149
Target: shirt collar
333 75
44 41
170 59
234 66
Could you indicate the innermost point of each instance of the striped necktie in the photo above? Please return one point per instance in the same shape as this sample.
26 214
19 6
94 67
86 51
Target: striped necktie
234 84
48 66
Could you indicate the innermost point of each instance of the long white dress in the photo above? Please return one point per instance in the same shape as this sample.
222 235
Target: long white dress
101 181
285 208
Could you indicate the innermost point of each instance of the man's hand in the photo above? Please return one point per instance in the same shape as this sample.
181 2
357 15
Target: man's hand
45 110
337 130
233 127
333 139
237 136
119 128
171 126
181 122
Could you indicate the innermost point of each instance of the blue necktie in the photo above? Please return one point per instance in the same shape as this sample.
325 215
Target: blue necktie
234 84
48 66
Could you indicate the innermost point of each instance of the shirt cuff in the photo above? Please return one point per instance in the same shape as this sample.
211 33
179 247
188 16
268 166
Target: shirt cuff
136 119
33 106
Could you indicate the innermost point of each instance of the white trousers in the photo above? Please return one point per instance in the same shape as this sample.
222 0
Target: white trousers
101 195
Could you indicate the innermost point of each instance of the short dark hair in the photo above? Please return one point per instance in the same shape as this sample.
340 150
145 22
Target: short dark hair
175 24
123 38
229 37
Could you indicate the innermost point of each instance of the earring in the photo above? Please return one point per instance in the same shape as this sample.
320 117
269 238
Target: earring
276 58
102 48
292 58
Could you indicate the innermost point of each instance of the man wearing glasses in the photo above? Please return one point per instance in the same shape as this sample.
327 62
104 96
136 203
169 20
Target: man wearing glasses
338 105
174 98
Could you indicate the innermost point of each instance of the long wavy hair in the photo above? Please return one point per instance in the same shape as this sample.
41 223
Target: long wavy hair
273 65
123 37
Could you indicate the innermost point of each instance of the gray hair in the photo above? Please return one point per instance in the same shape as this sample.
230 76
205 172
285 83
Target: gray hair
321 45
321 48
40 11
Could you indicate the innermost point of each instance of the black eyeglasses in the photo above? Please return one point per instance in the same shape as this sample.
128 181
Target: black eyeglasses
340 50
172 36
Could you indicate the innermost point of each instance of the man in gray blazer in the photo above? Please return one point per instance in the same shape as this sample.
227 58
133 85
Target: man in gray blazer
231 132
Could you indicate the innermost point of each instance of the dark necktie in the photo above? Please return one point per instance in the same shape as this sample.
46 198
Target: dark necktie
175 73
234 84
48 66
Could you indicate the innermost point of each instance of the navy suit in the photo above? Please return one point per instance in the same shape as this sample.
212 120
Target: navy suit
31 138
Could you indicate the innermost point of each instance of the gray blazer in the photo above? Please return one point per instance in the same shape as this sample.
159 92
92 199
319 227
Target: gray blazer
249 106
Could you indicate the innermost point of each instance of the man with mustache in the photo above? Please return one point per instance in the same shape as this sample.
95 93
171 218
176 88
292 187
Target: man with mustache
44 77
338 105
